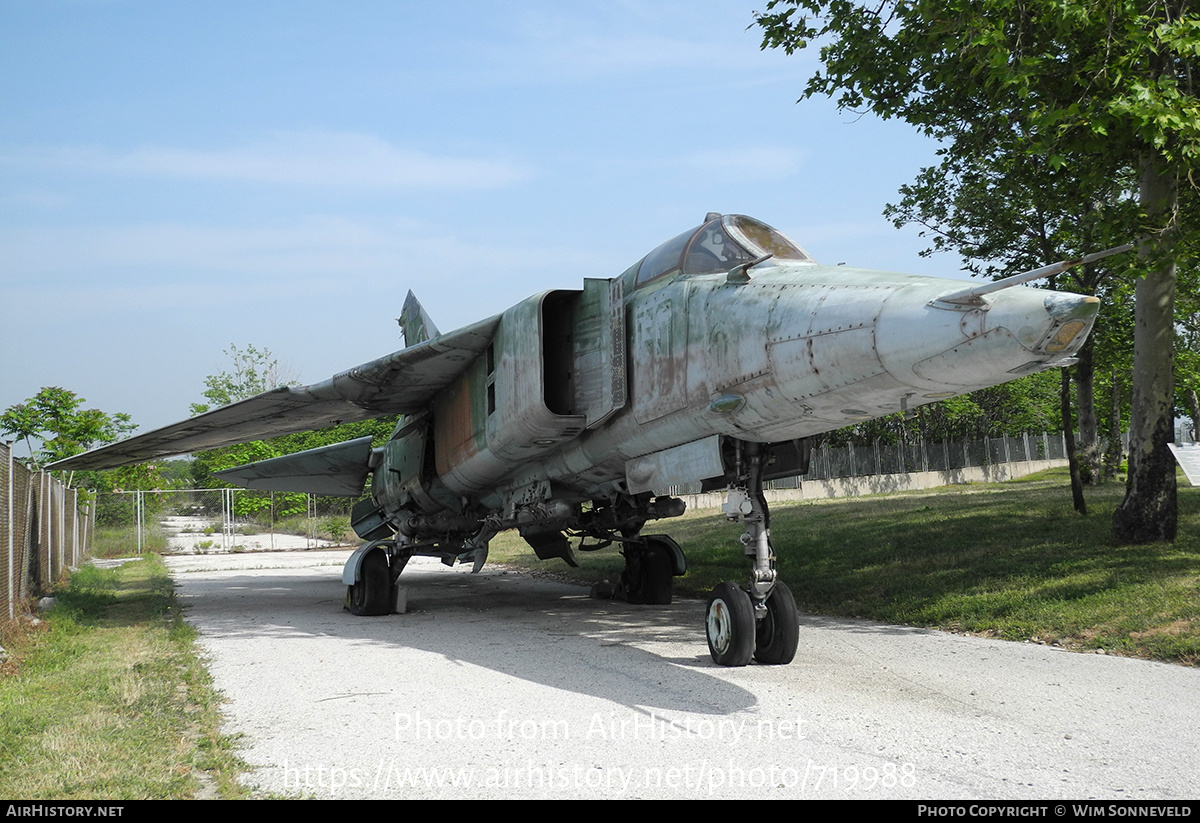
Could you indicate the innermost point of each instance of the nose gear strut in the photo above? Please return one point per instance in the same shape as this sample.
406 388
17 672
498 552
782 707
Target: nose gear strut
760 619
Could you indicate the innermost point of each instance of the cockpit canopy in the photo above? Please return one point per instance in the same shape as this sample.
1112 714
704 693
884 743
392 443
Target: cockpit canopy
722 242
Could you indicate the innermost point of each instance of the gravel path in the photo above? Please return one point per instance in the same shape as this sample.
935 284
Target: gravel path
503 685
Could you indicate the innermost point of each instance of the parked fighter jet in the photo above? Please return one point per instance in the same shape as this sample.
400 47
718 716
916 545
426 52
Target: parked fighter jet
573 413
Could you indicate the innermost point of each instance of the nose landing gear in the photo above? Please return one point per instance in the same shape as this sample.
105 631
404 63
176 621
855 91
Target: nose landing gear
760 620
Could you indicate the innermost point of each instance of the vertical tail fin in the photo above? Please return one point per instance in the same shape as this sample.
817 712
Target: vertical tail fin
415 322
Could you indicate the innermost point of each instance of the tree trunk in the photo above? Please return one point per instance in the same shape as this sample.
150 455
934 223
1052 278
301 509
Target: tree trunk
1069 436
1194 405
1112 457
1149 511
1085 402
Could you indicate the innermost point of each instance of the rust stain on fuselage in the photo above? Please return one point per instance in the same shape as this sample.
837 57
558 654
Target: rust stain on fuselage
453 427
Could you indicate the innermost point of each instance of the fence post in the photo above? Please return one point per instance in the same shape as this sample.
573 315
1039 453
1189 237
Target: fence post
74 527
10 520
227 527
310 541
87 527
47 547
60 494
139 520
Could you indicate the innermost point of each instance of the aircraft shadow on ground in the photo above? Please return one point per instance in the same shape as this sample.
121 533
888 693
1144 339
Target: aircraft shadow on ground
543 632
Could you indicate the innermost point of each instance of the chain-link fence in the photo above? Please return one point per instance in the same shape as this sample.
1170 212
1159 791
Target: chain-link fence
45 528
832 462
947 455
217 520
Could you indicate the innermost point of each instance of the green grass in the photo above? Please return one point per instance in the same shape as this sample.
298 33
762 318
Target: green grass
1010 560
114 541
107 699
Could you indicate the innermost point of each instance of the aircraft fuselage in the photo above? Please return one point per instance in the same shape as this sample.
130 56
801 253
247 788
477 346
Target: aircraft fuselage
796 350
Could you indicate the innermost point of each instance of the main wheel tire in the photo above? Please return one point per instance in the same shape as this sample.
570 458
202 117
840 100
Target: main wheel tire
656 578
778 634
371 594
729 624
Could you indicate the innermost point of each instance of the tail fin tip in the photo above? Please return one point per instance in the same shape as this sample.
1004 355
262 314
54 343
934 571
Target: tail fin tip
416 323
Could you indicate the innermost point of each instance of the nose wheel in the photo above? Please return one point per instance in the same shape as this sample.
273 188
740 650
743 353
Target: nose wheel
778 631
735 634
730 626
759 621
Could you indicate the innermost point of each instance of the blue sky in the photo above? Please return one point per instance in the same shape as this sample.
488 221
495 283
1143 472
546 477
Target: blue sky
179 176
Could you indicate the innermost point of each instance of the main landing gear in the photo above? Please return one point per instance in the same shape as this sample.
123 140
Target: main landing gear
652 563
760 620
370 592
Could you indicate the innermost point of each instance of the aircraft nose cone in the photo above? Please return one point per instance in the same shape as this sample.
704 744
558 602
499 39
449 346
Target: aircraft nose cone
1011 333
1052 323
1067 305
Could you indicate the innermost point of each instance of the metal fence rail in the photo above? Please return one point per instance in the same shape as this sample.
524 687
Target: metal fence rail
831 462
898 458
44 529
210 520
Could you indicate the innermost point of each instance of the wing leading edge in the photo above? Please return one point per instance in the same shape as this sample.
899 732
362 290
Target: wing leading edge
403 382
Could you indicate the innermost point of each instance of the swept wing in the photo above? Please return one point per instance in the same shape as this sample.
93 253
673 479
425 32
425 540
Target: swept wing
403 382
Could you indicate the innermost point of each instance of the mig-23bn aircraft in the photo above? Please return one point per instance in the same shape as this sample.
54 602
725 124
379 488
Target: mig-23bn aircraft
573 413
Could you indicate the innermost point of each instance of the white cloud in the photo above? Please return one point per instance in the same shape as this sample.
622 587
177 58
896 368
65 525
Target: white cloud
765 162
601 55
318 245
293 158
316 253
610 39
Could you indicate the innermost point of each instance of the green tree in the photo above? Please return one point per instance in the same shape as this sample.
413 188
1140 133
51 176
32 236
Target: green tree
56 419
1007 212
1014 212
1027 405
253 371
1187 361
1105 89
